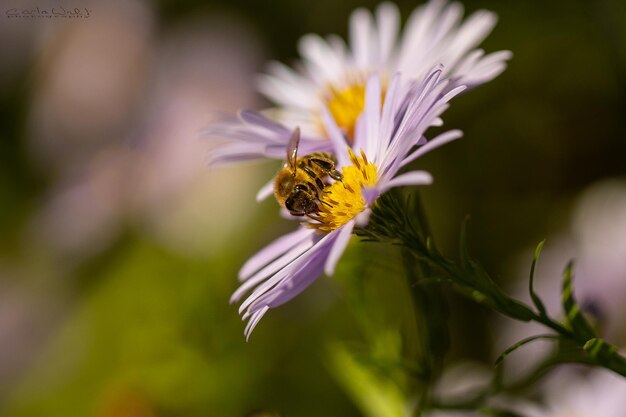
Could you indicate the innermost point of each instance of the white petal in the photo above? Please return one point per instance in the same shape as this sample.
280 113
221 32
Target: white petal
286 87
265 191
410 178
303 275
388 21
337 139
468 62
440 140
272 268
471 33
257 119
254 320
233 152
485 69
387 118
270 288
360 132
322 61
372 114
273 251
361 31
338 247
415 121
363 218
452 93
416 39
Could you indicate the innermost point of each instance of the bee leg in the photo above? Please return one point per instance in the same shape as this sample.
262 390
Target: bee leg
318 182
314 189
325 165
328 168
309 172
336 175
313 217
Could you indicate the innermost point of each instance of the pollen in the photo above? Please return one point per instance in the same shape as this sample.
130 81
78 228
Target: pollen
346 105
343 200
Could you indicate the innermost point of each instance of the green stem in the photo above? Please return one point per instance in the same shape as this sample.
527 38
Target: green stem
394 222
610 360
431 311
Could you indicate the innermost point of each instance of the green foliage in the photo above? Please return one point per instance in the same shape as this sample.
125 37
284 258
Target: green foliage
155 329
391 223
605 354
521 343
159 327
533 295
573 313
376 395
388 354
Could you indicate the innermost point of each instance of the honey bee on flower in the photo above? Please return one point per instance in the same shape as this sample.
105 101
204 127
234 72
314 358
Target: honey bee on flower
334 74
390 137
300 182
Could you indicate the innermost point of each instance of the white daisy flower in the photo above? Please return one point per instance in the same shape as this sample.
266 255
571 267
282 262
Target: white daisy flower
386 138
332 74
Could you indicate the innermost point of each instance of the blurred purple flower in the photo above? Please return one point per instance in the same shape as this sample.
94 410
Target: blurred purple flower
146 168
597 393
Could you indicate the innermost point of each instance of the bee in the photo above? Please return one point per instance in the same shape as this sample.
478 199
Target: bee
299 182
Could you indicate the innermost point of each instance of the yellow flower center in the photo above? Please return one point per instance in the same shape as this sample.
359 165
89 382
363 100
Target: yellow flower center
343 200
346 105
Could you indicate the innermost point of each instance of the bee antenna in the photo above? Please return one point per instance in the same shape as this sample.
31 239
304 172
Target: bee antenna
310 216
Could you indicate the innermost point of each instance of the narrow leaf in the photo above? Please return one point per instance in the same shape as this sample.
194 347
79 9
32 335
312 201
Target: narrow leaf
573 314
533 295
599 349
524 342
606 354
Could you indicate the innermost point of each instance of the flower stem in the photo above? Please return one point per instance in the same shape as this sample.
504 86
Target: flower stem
605 355
431 312
399 222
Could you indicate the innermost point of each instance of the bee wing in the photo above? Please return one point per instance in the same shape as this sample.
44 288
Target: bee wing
292 149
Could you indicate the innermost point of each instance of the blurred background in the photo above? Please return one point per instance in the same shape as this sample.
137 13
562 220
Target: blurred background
119 247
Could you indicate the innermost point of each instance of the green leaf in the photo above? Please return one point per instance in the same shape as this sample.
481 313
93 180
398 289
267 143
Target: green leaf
374 395
599 349
433 280
606 354
573 314
524 342
533 295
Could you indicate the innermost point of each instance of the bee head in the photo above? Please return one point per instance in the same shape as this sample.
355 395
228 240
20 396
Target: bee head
301 201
